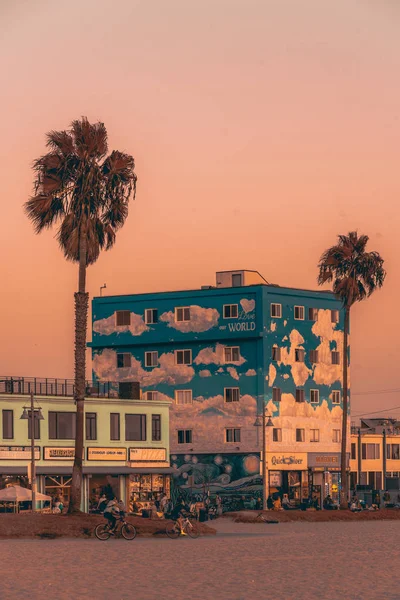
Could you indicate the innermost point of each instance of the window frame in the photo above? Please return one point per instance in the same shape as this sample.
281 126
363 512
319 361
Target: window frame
183 309
334 394
236 435
240 275
302 435
152 311
313 354
278 350
314 436
143 427
36 425
119 312
299 352
156 428
311 313
335 353
118 423
225 306
183 350
146 397
63 412
231 349
124 354
353 451
313 392
336 436
274 304
11 416
90 418
177 392
231 388
151 353
276 391
301 310
335 311
300 392
277 434
185 435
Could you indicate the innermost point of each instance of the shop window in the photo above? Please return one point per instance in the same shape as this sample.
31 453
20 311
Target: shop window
62 425
276 353
135 428
335 316
353 451
124 360
115 429
151 316
299 313
276 434
312 314
151 359
232 354
184 436
91 426
143 488
335 357
299 354
276 311
370 451
336 436
183 357
231 311
183 397
8 424
232 435
375 480
299 395
314 356
232 394
156 428
182 314
276 394
58 487
314 396
36 425
123 318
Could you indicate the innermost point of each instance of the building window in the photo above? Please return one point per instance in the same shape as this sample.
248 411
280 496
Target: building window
124 360
276 434
151 359
313 356
151 316
237 280
276 394
36 425
115 430
299 395
183 357
335 397
335 316
299 313
231 311
182 314
393 451
184 436
353 451
183 397
370 451
393 474
156 428
336 436
314 396
123 318
91 426
335 357
300 435
312 314
232 435
8 424
314 435
232 394
276 311
232 354
299 354
276 353
150 395
135 428
375 480
62 425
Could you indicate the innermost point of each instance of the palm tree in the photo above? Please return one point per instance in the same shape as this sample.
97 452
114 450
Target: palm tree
86 193
356 274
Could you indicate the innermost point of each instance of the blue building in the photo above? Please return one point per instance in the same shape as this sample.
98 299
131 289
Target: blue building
220 353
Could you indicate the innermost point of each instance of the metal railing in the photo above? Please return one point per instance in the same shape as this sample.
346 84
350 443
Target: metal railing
56 387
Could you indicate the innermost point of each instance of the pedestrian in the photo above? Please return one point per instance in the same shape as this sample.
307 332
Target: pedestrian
218 502
270 502
386 498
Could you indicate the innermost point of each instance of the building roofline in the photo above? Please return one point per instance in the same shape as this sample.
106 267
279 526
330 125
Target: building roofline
247 271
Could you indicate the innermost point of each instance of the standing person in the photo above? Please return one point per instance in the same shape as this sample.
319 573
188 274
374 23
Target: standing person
218 502
386 498
163 503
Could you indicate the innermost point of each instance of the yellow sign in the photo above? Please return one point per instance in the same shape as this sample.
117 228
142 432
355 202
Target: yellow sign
107 454
287 461
67 453
147 455
334 487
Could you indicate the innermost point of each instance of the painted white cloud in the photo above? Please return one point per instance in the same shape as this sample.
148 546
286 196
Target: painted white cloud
105 367
215 356
300 371
201 319
273 326
108 326
233 373
247 305
272 375
250 373
205 373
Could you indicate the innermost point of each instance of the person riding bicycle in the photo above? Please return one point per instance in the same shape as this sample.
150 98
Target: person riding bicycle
111 513
180 511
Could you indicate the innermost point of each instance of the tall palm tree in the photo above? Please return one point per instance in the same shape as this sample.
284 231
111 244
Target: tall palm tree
86 193
355 274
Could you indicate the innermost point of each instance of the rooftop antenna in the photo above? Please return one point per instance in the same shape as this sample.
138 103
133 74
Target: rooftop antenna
103 287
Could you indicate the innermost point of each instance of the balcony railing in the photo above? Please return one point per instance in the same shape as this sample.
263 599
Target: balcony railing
56 387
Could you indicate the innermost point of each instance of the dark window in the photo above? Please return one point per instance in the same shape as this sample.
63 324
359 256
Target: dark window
312 314
299 354
183 357
299 313
300 435
8 424
184 436
276 394
124 360
276 311
232 395
276 353
395 452
123 318
299 395
151 316
182 314
91 426
314 396
276 434
135 428
370 451
353 451
335 358
156 428
335 316
353 481
313 356
62 425
232 354
232 435
151 359
237 280
36 425
230 311
115 432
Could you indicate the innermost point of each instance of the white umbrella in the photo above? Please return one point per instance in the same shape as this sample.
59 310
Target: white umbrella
16 493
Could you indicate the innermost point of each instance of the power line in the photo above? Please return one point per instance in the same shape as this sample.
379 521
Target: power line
371 392
377 411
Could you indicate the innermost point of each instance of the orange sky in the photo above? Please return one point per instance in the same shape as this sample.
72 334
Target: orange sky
260 129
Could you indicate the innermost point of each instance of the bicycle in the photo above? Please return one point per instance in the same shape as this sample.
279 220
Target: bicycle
173 530
103 530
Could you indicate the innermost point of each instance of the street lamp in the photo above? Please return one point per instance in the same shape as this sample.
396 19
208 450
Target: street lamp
32 414
103 287
261 421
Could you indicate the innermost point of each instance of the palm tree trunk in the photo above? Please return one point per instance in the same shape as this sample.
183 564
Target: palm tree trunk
81 314
344 491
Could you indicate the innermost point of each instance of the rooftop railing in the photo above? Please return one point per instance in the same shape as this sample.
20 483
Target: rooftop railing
56 387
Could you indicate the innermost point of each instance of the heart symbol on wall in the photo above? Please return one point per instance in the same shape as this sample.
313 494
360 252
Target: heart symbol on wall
247 305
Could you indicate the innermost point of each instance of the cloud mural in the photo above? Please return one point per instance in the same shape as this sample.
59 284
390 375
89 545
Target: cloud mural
233 373
250 373
201 319
325 372
215 356
205 373
108 326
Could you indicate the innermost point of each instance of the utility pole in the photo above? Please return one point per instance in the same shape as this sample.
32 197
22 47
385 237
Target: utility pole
33 466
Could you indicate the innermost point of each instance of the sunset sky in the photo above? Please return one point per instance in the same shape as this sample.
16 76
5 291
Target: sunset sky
261 129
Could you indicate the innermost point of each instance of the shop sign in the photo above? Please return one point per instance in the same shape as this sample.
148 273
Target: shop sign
287 461
18 453
327 459
108 454
59 453
146 455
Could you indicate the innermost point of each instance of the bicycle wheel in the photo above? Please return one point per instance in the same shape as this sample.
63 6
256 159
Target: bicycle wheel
192 530
172 531
102 531
128 531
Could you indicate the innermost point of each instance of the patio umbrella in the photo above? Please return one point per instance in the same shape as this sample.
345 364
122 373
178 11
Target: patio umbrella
16 493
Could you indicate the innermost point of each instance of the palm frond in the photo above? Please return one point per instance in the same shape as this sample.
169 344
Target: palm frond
60 141
44 210
90 139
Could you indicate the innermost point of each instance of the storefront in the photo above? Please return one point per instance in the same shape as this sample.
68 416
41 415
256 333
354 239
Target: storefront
288 475
324 476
